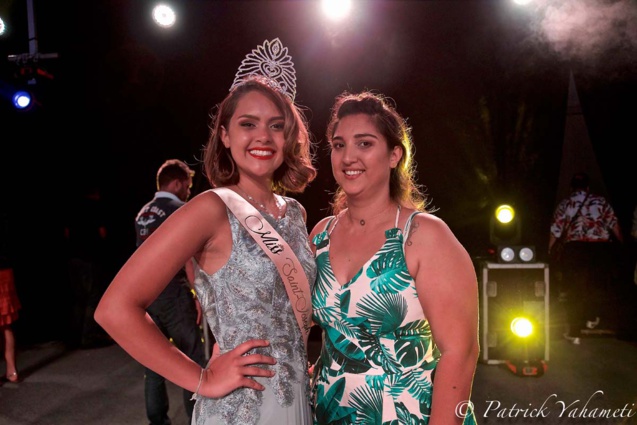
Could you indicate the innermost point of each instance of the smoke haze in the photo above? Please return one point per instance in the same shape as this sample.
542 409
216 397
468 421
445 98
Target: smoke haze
590 30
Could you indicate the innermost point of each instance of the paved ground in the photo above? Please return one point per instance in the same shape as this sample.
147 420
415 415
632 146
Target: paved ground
104 386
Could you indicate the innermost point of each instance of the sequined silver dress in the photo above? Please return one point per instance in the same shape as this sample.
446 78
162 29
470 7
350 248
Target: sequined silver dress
246 299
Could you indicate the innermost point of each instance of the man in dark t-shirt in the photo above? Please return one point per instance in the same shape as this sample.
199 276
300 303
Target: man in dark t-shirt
175 311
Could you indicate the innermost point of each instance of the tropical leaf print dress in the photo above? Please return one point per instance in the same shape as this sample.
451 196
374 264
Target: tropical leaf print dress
378 355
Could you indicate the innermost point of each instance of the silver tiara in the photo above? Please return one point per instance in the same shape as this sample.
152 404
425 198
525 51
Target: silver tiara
270 60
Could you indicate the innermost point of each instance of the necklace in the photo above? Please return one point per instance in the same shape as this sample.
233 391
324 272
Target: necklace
262 207
362 221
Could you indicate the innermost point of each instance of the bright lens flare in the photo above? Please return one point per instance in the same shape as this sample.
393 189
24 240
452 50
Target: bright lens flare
164 16
521 327
21 100
336 9
505 213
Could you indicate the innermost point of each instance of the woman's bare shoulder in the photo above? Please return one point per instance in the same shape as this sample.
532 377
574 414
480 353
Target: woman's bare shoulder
320 226
426 228
205 211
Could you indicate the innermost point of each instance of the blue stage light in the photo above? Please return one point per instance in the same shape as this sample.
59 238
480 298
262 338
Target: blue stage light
22 100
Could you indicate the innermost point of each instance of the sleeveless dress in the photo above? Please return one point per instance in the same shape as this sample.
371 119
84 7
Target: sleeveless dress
378 356
9 301
246 299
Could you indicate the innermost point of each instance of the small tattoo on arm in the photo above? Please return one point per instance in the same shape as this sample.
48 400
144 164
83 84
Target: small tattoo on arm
412 230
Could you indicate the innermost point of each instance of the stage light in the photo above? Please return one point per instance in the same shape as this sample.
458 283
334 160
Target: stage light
522 327
504 226
505 231
504 213
523 364
510 254
22 100
164 16
336 9
527 253
506 254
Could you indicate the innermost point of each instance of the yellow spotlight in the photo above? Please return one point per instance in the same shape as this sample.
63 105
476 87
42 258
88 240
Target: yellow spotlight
521 327
505 213
505 228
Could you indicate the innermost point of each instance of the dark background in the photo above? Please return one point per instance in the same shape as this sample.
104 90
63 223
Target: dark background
484 85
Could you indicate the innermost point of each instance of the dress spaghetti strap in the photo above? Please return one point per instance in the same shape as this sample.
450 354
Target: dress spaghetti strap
329 222
397 216
408 226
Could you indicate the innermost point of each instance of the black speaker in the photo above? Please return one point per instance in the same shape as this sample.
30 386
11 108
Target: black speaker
510 291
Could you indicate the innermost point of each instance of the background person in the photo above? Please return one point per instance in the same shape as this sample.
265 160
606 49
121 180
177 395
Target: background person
174 311
9 303
396 294
9 306
587 264
259 145
86 234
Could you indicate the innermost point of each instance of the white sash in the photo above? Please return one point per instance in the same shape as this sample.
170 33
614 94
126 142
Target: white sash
288 265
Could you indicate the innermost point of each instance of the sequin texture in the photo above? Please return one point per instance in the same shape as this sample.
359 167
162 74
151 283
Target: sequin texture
246 299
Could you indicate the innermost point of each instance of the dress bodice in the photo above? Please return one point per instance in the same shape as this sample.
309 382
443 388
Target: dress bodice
246 299
378 355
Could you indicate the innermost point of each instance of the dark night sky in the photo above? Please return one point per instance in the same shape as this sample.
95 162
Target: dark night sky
483 83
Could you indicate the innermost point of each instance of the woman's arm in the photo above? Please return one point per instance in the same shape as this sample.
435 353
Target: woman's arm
448 292
122 310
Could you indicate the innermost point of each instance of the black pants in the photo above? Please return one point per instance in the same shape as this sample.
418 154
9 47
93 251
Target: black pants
177 319
588 279
87 282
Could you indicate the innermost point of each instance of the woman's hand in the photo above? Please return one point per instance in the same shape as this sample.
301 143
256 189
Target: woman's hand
229 371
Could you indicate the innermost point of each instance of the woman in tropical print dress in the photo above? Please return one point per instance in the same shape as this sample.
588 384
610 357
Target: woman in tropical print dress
396 293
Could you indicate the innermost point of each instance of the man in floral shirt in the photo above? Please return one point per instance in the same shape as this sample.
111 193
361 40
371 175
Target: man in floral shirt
590 224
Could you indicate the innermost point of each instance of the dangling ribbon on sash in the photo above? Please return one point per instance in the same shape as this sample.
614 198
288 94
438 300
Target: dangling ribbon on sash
288 265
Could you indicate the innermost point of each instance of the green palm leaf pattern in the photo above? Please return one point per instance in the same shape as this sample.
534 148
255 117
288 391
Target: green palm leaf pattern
320 241
375 382
342 301
345 353
418 383
395 386
324 279
385 313
329 411
387 271
325 315
348 328
470 419
369 404
412 342
377 353
406 418
367 329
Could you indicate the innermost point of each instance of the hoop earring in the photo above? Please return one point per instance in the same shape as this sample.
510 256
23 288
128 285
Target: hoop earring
231 160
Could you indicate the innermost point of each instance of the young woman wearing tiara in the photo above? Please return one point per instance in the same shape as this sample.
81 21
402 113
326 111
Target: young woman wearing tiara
252 262
396 294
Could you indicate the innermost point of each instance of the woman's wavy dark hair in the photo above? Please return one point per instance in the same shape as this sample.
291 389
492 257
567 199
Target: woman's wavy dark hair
296 171
403 188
